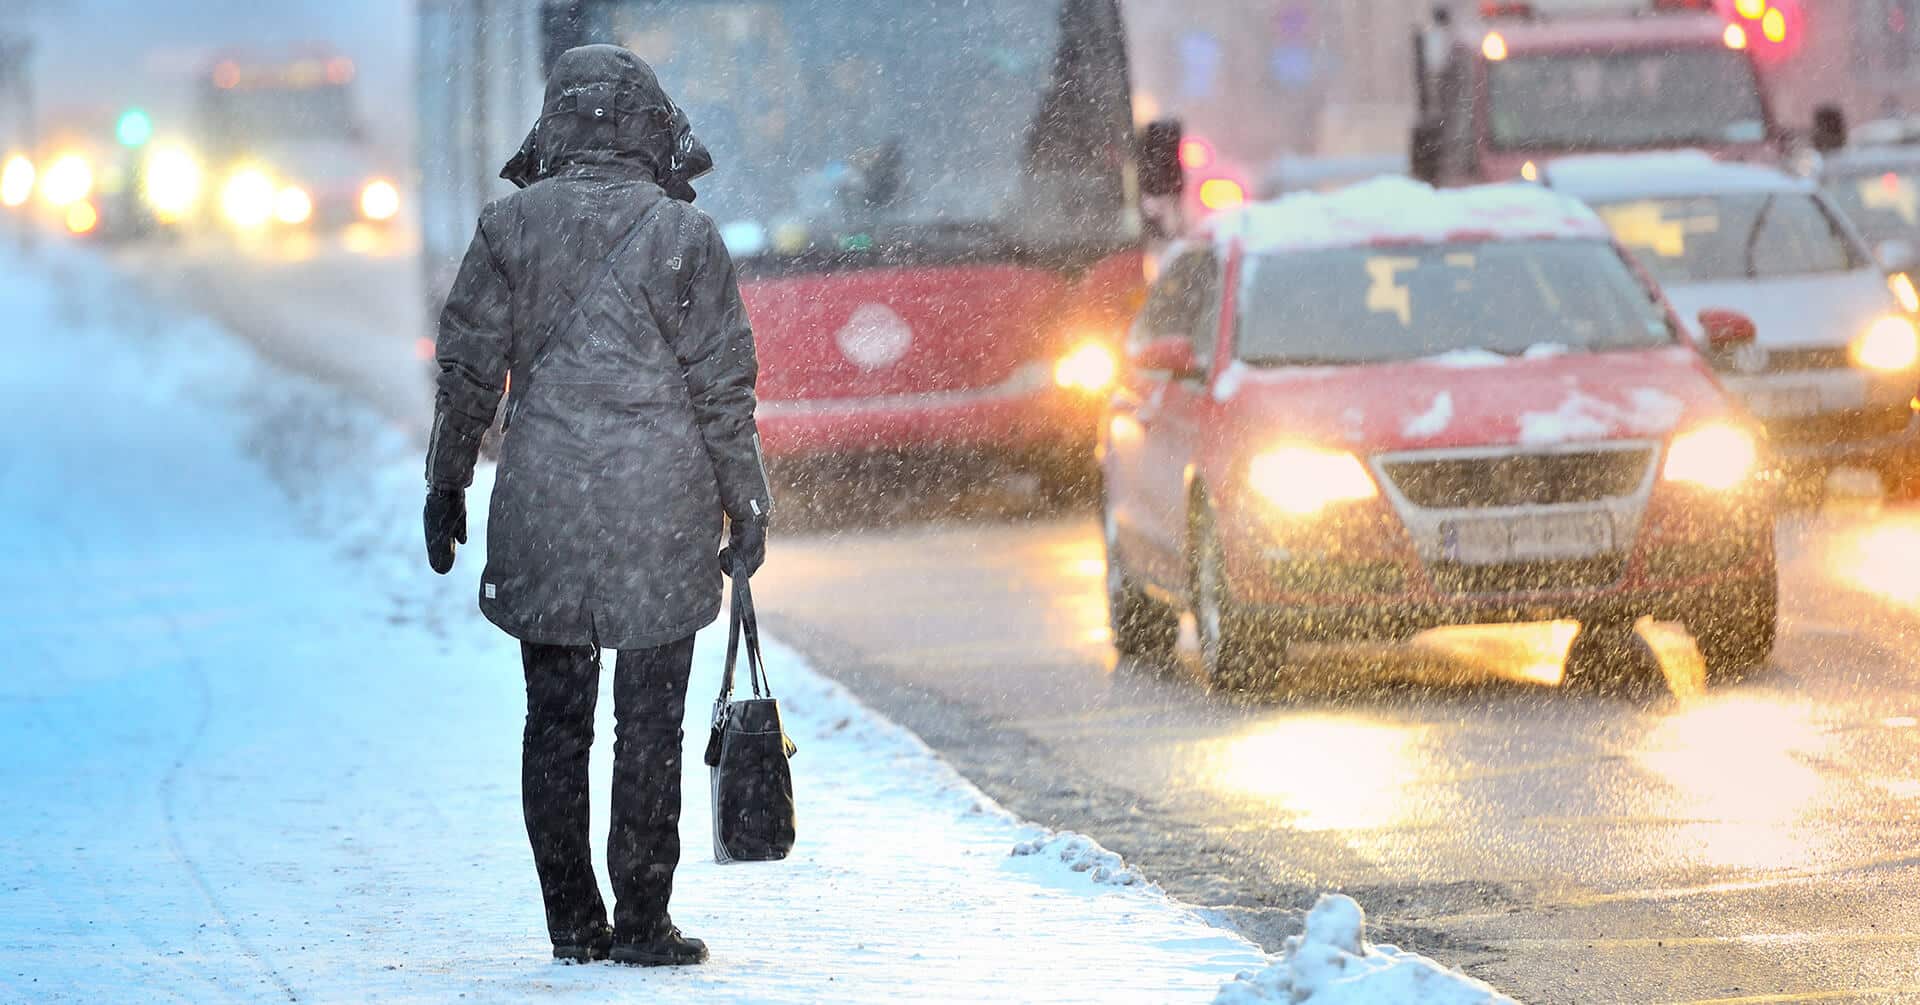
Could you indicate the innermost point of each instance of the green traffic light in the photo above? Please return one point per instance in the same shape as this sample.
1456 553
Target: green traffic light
134 129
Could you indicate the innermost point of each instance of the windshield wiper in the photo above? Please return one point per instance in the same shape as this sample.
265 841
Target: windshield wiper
1753 237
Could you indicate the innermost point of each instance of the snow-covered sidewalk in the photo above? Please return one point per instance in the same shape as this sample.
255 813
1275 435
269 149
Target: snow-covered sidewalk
252 755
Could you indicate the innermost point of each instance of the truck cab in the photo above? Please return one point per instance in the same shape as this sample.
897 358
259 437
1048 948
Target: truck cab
1513 85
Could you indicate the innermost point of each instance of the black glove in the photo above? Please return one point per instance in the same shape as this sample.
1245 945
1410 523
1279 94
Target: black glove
746 549
446 520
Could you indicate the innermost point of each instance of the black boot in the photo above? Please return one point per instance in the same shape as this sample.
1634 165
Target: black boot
664 946
587 946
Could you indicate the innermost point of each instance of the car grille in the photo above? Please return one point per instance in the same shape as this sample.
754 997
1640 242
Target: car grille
1520 479
1527 577
1840 427
1792 360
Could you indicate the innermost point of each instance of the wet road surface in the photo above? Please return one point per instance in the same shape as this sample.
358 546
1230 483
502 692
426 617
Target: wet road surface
1747 844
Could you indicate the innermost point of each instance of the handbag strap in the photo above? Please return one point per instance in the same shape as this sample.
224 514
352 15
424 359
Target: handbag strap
743 624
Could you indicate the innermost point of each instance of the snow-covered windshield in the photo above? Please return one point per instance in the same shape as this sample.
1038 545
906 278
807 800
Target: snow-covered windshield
1621 100
1368 305
861 124
1749 235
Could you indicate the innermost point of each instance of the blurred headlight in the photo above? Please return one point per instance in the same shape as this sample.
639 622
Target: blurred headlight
173 183
1718 456
379 200
293 205
1091 368
247 199
68 180
1890 345
16 180
1903 290
1301 480
82 217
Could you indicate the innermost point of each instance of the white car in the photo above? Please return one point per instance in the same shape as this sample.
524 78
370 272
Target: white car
1834 370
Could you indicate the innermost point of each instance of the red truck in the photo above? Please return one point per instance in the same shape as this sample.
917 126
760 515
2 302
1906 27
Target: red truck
1512 85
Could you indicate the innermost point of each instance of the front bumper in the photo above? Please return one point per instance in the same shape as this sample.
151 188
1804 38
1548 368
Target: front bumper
1031 419
1823 417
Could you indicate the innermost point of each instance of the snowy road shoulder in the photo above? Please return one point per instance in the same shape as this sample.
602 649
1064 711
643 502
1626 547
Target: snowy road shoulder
260 753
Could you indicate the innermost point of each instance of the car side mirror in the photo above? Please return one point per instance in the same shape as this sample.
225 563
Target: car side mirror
1829 128
1166 354
1159 154
1897 255
1726 330
1423 155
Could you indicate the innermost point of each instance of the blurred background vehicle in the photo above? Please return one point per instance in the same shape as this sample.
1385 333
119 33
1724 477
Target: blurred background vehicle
1836 364
934 207
1424 408
1876 181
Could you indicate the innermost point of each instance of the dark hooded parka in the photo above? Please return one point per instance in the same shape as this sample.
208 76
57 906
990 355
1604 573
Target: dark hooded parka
612 303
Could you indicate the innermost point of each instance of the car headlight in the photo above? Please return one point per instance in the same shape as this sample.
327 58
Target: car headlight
1903 290
1302 480
16 180
173 180
247 199
68 180
292 205
1717 456
379 200
1090 367
1889 345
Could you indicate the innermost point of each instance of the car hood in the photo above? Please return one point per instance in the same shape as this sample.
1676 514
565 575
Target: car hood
1476 399
1795 312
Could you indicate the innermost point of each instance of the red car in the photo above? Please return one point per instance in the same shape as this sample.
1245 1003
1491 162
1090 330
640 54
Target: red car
1391 409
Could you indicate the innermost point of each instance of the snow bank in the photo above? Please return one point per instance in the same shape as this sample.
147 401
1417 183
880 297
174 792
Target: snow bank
1331 963
1399 210
258 752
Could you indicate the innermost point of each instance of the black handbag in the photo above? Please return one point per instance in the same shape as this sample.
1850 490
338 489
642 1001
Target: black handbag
753 809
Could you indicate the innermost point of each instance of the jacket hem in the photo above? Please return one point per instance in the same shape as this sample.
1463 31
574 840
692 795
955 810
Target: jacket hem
551 635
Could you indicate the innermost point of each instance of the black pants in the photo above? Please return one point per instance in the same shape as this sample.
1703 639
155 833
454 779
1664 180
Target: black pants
643 844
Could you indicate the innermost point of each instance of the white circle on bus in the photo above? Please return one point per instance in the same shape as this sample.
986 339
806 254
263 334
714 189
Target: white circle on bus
874 337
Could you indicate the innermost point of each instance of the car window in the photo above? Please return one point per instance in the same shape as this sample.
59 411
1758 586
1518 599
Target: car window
1185 301
1750 235
1356 305
1885 205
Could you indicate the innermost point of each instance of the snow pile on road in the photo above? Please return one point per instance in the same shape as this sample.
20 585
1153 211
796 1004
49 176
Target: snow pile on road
257 751
1399 210
1331 963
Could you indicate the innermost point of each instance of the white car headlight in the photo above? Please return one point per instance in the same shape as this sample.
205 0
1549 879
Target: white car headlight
173 181
293 206
247 198
1718 456
1091 367
379 200
1302 480
1889 345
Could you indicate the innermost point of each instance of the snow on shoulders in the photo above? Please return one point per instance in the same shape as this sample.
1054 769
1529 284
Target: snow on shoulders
1434 420
1331 963
1399 210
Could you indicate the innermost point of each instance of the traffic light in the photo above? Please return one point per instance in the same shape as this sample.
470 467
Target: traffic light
134 129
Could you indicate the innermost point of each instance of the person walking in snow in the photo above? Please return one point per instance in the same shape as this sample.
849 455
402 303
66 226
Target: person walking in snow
629 435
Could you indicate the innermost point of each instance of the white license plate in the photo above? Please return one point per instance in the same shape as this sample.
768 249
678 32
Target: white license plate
1783 402
1528 538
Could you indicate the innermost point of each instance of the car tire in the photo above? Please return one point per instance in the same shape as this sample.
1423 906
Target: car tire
1235 651
1735 627
1143 627
1609 656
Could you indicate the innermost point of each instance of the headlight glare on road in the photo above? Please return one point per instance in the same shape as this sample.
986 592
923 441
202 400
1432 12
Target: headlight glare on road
1889 345
1302 480
1091 367
68 180
1718 456
293 206
247 199
379 200
16 181
173 182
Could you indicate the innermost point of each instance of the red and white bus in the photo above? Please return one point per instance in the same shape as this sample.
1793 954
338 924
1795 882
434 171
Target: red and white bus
934 206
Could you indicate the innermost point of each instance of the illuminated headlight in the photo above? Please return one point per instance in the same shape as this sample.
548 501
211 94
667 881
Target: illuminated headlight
16 180
292 206
173 180
1903 290
247 199
1302 480
68 180
1718 456
1890 345
1091 367
379 200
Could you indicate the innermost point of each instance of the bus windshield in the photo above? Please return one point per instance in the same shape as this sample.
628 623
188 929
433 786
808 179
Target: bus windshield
1701 96
861 125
